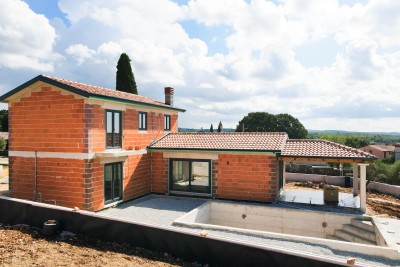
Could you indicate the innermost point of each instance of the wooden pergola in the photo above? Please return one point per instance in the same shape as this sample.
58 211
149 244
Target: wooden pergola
308 150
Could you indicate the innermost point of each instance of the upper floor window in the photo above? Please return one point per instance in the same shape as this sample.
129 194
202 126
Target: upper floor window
142 120
167 122
113 128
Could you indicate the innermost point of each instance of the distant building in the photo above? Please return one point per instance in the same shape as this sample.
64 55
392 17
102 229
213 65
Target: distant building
397 151
380 151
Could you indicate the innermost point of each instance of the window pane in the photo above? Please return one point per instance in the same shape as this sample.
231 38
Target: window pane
117 130
109 122
140 121
109 139
117 180
180 175
116 122
144 121
200 181
108 183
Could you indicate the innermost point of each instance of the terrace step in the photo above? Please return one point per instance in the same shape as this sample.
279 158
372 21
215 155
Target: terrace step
352 238
359 232
364 224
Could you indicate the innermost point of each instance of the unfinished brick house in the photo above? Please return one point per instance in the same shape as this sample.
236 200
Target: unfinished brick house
79 145
74 144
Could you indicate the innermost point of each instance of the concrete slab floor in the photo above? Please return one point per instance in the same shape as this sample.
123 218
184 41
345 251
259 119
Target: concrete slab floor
317 198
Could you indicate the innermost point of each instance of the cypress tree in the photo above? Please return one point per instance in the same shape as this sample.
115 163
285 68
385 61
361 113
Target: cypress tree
220 128
125 78
211 129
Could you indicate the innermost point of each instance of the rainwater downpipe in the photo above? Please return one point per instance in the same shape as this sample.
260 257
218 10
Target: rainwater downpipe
35 179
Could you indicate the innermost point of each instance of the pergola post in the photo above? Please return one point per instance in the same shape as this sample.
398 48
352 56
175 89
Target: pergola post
284 174
363 186
355 179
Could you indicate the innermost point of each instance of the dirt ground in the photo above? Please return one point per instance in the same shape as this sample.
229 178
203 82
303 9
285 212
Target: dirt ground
377 203
21 245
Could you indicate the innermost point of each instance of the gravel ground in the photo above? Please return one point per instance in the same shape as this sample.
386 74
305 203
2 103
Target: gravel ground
162 210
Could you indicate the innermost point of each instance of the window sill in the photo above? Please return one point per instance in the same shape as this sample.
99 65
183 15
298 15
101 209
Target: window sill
143 131
112 204
189 193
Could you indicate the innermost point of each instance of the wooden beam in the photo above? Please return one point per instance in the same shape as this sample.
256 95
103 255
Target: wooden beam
322 160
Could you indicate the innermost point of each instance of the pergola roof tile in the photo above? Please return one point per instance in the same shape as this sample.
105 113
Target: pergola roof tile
322 149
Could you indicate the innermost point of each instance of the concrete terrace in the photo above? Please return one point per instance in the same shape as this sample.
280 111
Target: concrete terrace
163 210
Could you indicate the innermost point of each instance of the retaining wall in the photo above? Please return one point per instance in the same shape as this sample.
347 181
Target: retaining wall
393 190
189 246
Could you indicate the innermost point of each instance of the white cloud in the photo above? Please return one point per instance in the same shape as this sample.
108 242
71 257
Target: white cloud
258 70
26 38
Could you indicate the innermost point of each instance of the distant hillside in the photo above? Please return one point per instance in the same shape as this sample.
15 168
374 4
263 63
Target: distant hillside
183 130
351 133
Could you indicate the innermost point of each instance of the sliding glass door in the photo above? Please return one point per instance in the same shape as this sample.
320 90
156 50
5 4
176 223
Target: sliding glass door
190 175
112 182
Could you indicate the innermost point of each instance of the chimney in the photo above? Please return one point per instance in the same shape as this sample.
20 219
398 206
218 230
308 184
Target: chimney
169 96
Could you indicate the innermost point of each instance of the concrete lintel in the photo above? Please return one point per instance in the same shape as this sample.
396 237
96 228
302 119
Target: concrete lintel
119 153
191 155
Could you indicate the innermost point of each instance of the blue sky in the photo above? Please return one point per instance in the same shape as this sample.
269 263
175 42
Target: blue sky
332 64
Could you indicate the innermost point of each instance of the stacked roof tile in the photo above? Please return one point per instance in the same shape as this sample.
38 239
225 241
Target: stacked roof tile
222 141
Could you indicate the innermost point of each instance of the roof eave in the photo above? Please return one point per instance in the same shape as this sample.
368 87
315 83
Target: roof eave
327 158
46 80
126 101
212 150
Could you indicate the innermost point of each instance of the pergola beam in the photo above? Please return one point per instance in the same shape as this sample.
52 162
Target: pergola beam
320 159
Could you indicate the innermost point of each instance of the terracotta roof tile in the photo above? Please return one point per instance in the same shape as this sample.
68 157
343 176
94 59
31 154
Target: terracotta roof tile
322 149
96 90
222 141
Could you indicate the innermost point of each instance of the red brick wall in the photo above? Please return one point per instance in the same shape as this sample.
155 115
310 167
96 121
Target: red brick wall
245 177
159 174
136 176
47 121
95 121
57 179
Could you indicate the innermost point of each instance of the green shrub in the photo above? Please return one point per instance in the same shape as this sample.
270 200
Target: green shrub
3 144
384 173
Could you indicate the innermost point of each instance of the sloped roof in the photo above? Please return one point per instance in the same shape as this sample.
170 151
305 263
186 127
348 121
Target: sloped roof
87 90
260 142
266 142
310 148
383 148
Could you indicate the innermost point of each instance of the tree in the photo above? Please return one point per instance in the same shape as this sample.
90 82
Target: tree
4 120
265 122
125 78
211 129
257 122
220 128
291 125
